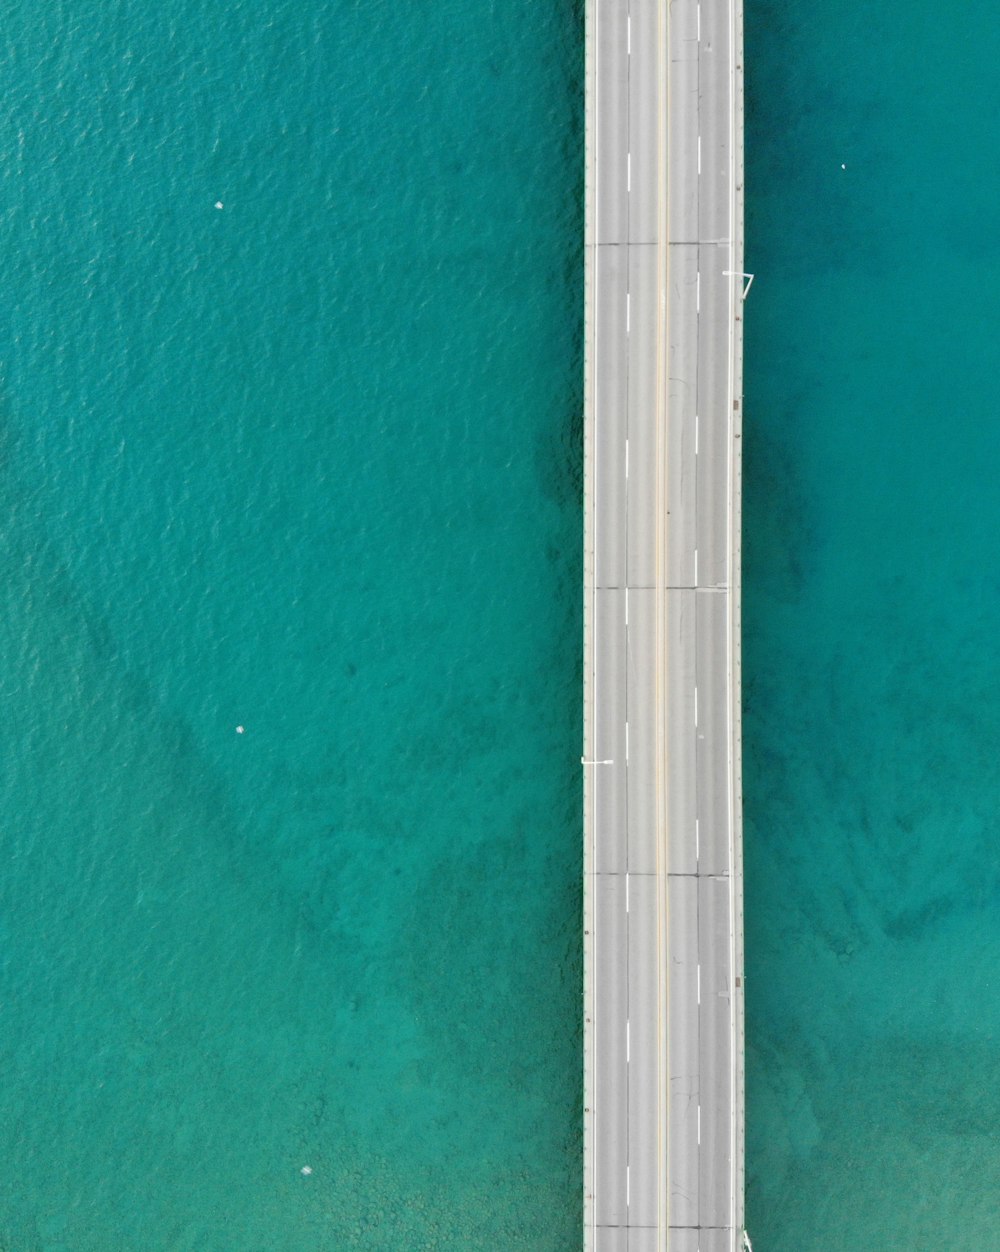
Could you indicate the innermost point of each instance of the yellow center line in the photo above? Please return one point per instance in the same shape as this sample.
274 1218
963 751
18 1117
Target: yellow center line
662 549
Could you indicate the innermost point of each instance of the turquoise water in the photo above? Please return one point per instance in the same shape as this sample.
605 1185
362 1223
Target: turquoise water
307 464
872 620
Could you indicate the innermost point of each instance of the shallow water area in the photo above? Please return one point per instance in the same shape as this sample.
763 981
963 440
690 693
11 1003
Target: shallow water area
306 464
871 615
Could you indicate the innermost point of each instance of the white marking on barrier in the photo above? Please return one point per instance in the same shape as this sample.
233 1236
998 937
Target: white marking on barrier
699 984
628 311
740 274
626 458
697 430
699 156
626 742
628 172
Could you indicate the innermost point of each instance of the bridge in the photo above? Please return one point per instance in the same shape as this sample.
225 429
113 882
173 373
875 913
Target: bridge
663 890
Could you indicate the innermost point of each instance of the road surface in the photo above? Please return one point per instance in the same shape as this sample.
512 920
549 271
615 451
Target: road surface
662 775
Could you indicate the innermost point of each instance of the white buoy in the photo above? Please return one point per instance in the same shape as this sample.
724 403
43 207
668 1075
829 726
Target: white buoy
843 167
239 730
306 1170
218 204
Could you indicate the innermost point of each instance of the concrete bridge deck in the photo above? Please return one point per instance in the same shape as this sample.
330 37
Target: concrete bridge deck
663 787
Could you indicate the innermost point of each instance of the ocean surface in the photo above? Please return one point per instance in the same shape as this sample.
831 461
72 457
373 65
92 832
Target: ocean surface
872 627
290 392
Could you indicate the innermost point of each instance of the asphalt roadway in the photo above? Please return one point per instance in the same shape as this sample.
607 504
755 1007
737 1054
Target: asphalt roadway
663 1121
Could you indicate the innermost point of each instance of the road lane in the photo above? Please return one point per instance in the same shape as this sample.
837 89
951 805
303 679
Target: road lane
611 779
643 137
611 401
610 1095
608 38
641 431
683 431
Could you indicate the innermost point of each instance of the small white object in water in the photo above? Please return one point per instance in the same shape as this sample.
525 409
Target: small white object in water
843 167
218 204
306 1170
239 730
